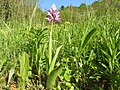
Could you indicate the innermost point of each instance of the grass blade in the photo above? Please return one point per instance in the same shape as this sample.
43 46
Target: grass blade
87 37
33 14
10 75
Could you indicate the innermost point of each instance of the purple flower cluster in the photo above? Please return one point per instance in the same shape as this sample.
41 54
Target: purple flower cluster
53 14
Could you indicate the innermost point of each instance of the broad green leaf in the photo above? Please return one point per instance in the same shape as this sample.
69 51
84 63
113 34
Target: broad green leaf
52 64
24 69
87 37
67 77
24 65
68 84
52 77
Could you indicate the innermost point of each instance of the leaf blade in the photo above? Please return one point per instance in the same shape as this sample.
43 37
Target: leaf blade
87 37
52 77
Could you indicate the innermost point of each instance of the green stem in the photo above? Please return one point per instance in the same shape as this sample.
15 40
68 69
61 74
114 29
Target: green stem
50 45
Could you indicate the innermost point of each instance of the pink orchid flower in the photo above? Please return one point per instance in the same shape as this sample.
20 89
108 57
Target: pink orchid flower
53 14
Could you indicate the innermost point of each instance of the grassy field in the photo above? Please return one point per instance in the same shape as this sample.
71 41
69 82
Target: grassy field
82 55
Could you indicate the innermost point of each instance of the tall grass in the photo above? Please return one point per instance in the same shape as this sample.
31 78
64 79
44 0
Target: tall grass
88 50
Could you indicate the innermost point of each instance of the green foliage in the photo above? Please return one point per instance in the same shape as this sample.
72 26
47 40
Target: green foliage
24 69
87 37
52 71
19 11
82 6
81 53
52 64
52 76
62 7
12 70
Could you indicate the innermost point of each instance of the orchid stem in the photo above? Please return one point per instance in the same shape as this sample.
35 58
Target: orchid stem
50 44
52 26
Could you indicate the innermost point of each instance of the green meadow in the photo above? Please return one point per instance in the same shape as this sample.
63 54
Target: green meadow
81 53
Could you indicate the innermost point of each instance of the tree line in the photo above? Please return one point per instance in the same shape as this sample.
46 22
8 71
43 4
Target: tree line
17 10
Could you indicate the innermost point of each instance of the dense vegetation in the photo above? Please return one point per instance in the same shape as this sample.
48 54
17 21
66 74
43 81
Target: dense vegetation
84 47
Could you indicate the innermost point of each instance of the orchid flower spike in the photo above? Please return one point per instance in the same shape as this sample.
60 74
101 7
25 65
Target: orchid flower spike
53 14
